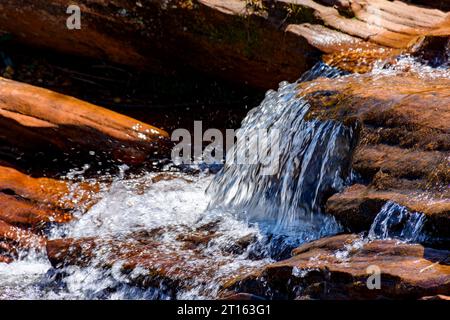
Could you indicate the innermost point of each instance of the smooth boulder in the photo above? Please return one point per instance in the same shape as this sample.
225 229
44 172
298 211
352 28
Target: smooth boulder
35 120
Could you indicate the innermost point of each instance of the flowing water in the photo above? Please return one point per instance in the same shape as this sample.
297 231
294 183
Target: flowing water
203 229
396 221
313 163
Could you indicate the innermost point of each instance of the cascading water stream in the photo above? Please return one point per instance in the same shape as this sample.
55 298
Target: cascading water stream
248 219
313 163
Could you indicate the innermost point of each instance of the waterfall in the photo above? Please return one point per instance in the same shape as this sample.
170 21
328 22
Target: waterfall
396 221
313 163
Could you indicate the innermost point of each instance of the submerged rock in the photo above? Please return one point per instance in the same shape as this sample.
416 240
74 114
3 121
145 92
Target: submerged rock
339 267
358 205
145 260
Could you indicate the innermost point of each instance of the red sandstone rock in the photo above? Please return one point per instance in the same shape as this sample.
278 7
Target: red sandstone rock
28 205
336 268
37 119
159 264
239 40
51 192
357 206
21 238
438 297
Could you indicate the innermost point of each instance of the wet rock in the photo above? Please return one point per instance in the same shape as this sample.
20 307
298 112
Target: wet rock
29 205
38 120
242 296
403 152
438 297
241 244
54 193
20 238
23 212
4 259
155 265
145 262
433 50
256 42
439 4
397 115
357 207
196 239
337 268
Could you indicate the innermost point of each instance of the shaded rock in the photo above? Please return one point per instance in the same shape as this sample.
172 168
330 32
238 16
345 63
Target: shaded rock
439 4
256 42
403 151
242 296
38 120
337 268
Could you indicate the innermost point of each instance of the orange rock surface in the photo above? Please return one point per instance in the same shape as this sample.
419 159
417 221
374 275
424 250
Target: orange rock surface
37 119
337 268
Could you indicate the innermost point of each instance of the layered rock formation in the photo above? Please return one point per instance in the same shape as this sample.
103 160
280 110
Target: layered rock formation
404 145
340 268
29 205
401 116
37 120
260 42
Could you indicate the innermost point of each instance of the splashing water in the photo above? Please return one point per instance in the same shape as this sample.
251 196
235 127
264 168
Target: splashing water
245 219
396 221
162 213
314 163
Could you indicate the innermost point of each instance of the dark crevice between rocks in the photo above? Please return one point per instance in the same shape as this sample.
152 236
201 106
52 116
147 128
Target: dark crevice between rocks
434 51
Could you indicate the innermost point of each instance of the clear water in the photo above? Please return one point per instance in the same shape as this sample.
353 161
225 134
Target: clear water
313 162
178 205
250 219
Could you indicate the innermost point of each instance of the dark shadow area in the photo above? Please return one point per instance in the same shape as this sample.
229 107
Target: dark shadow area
167 101
441 257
